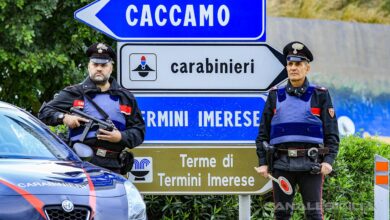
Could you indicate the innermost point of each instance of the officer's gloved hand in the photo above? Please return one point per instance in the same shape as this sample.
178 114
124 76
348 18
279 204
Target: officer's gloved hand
73 121
326 168
262 170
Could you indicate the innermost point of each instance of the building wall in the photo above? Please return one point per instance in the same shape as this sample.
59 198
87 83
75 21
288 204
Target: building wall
352 60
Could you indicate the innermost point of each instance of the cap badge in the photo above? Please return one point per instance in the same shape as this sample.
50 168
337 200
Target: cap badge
297 46
101 47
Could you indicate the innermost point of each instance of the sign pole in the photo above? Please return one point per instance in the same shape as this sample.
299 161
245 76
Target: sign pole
161 68
244 210
381 188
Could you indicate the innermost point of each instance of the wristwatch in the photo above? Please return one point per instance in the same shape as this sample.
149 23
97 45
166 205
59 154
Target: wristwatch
60 118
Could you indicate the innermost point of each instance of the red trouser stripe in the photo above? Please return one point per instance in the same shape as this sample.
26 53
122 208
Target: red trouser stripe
322 185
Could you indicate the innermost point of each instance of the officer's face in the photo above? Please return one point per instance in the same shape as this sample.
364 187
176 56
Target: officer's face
99 73
297 71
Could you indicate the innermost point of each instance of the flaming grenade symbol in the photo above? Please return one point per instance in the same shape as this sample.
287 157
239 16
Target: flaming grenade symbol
143 69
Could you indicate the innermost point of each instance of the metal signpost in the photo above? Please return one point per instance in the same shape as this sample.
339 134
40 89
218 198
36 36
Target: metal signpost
206 116
199 75
381 189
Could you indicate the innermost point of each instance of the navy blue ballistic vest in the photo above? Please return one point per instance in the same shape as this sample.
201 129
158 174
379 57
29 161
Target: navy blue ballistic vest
110 104
294 121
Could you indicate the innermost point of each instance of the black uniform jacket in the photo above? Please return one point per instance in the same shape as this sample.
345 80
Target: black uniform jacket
134 133
320 99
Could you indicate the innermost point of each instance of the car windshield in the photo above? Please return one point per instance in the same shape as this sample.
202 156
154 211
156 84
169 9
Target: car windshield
24 137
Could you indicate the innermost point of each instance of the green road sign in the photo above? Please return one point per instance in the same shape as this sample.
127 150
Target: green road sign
197 170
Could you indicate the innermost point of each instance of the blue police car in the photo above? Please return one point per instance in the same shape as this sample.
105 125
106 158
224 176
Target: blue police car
42 178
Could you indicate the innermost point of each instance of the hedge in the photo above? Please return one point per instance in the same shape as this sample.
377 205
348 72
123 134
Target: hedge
348 193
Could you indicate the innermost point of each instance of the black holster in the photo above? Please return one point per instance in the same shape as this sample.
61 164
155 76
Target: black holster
269 152
313 155
126 161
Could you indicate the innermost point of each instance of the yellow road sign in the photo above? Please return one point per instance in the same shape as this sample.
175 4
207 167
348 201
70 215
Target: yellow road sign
197 170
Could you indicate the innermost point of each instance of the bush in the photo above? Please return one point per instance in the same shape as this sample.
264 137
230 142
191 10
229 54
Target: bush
192 207
348 193
351 189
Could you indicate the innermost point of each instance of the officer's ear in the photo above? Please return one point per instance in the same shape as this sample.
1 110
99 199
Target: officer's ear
112 66
88 65
308 67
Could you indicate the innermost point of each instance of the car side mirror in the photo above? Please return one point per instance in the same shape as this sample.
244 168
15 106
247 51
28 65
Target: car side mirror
85 152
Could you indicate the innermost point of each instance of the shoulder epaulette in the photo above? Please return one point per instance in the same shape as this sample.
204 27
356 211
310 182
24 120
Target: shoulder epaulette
321 88
70 87
73 88
124 90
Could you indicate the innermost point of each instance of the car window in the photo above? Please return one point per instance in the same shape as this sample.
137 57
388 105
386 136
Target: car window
21 136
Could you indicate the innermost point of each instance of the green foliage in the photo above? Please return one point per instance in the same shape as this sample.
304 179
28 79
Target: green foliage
42 49
351 189
192 207
386 6
347 194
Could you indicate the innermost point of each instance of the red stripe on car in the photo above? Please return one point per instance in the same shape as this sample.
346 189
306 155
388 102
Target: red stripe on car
34 201
92 195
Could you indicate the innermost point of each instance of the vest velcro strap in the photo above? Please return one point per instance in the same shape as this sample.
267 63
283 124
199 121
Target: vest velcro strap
306 129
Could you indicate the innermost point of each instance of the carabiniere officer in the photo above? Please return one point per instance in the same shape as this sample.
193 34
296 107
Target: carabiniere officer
100 96
298 136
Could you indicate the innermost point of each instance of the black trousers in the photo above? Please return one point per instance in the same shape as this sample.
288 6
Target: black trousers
310 187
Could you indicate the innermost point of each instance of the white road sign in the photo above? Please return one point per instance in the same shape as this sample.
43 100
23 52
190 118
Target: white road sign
203 67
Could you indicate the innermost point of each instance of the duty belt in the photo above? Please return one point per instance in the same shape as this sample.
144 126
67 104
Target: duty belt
102 152
301 152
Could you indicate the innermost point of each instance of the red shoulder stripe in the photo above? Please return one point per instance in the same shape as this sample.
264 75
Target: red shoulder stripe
316 111
125 109
78 103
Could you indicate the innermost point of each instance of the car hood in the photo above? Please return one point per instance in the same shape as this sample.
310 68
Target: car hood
42 177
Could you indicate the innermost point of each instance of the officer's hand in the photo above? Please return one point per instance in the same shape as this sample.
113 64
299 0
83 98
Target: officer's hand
73 121
326 168
113 136
262 170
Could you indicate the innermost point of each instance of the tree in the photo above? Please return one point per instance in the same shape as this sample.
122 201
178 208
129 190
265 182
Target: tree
42 49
